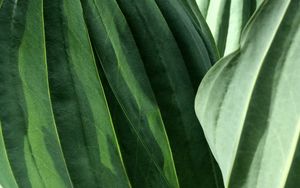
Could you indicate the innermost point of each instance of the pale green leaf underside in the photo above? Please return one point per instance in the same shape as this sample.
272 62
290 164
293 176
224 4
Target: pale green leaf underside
248 102
226 20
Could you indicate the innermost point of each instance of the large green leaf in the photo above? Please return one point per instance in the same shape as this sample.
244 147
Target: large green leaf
28 126
81 113
248 102
7 178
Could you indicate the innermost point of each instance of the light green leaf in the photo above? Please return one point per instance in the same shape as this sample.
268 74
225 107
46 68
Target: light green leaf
259 2
248 102
124 70
203 6
226 20
28 126
81 113
7 178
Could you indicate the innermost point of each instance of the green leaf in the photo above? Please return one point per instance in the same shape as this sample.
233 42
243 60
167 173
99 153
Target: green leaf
28 127
248 102
226 20
163 63
7 178
123 68
192 45
203 6
259 2
81 113
203 29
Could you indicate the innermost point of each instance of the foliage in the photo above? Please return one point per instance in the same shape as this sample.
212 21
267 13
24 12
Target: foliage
227 19
248 102
101 94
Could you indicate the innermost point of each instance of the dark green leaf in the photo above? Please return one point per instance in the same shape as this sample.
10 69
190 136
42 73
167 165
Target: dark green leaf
7 178
191 44
124 70
164 63
81 113
28 126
